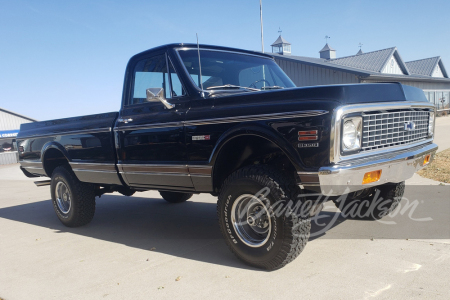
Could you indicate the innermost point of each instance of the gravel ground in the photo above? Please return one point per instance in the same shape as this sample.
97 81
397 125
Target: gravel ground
439 169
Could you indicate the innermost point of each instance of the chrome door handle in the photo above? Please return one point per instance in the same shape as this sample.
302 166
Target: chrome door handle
120 120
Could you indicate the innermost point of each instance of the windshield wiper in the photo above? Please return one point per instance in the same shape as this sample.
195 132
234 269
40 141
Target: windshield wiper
272 87
230 86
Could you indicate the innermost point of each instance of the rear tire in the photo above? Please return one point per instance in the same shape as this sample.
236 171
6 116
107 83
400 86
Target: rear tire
373 203
73 200
253 227
175 197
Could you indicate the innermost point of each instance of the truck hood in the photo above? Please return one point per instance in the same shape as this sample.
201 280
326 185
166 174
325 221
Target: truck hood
345 93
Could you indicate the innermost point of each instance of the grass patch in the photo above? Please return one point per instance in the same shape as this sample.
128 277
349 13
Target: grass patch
439 169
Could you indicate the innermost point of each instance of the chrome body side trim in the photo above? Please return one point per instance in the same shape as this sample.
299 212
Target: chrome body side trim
149 126
160 169
93 167
283 115
398 166
85 131
308 173
105 173
342 111
153 169
248 118
200 171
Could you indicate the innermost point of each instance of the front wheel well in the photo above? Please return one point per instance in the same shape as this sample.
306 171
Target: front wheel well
52 159
248 150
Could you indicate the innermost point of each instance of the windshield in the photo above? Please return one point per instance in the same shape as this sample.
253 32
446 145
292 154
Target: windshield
227 70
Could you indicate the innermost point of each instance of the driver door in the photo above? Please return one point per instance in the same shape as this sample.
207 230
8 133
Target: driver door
150 138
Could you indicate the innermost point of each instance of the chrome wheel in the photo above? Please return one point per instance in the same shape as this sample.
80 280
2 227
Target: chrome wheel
251 220
63 197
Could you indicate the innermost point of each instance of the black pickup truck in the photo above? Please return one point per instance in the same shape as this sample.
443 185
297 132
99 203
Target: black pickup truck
231 123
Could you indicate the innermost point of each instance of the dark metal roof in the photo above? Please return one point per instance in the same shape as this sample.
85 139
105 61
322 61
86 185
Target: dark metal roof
426 66
326 48
321 62
17 115
328 64
374 61
280 40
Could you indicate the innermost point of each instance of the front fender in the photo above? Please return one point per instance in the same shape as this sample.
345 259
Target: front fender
262 131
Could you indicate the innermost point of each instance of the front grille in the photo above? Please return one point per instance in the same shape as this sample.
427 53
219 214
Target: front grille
387 129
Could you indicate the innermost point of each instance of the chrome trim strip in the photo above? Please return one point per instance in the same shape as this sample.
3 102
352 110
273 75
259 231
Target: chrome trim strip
97 167
283 115
152 165
200 176
156 169
149 126
248 118
168 170
94 171
157 174
85 131
307 173
200 171
341 111
311 183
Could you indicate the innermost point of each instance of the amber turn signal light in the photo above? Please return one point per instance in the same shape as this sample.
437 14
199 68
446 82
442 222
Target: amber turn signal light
371 177
426 160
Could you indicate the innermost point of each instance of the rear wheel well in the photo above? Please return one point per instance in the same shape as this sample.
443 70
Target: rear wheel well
248 150
53 158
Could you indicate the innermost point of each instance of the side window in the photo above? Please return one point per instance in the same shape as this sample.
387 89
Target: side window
149 73
152 73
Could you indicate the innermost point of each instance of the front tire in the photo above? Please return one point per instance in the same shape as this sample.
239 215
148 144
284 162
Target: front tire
73 200
256 219
175 197
373 203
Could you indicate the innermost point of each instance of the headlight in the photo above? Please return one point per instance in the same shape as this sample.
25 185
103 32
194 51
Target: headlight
431 124
351 134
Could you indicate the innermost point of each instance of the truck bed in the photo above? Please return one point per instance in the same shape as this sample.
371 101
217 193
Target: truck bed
87 143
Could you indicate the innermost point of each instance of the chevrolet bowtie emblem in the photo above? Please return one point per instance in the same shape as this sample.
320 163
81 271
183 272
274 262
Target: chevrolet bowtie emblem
410 126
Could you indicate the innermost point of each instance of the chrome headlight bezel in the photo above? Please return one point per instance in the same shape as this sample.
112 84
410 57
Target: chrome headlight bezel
431 122
353 143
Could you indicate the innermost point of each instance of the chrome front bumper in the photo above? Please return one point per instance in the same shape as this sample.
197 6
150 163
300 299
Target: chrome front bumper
346 177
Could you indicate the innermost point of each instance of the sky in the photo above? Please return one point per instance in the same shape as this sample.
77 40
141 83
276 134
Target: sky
67 58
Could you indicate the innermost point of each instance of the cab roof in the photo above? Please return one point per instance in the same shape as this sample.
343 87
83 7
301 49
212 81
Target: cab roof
203 46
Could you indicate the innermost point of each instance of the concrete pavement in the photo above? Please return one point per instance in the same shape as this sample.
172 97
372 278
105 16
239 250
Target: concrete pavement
111 258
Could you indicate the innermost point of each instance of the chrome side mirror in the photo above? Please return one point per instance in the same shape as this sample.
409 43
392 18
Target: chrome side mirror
157 94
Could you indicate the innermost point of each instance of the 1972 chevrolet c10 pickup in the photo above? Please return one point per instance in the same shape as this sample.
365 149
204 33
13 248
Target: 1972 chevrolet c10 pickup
231 123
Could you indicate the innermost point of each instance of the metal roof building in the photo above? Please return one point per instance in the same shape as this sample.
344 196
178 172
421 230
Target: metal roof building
384 65
9 128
